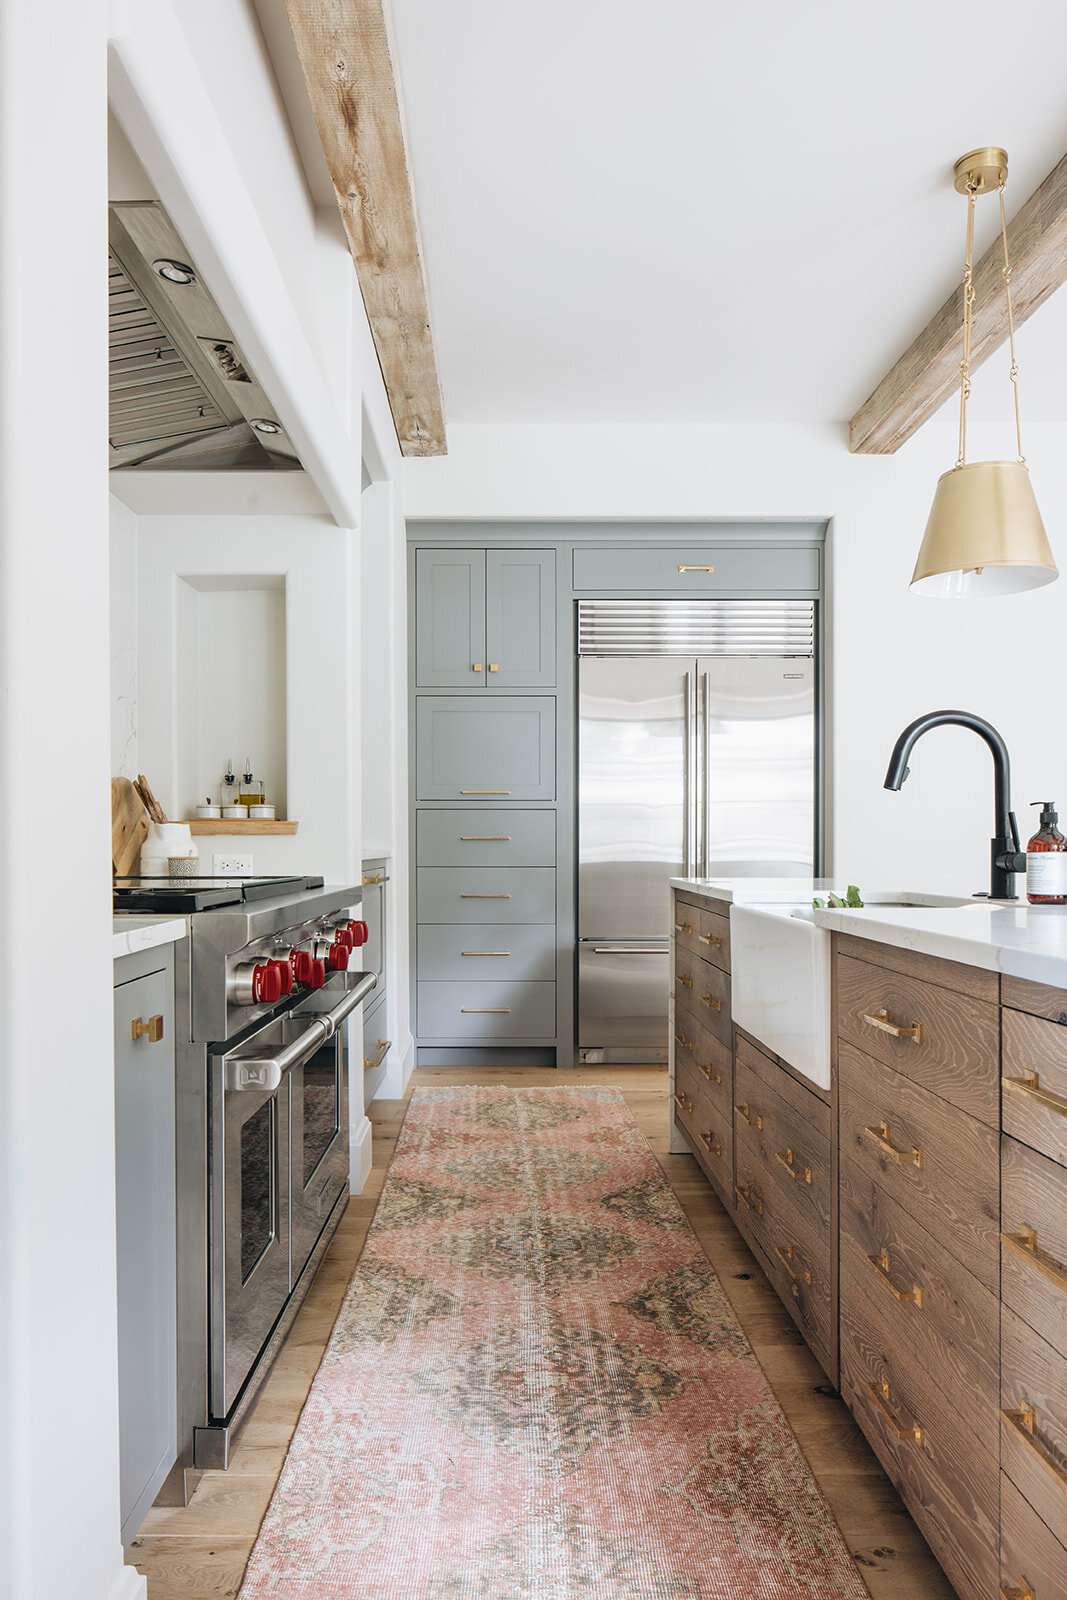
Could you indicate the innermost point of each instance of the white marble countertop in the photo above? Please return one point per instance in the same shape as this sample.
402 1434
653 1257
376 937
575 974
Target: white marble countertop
1023 941
131 932
756 891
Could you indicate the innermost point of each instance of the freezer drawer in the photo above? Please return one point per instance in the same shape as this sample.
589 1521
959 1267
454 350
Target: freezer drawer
622 1000
487 1011
486 950
486 838
499 747
487 894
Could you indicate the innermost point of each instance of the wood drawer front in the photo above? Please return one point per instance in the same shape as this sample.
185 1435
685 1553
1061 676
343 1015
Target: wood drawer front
686 926
485 951
1032 1560
937 1162
975 981
1034 1247
470 838
487 1011
949 1486
709 1057
1037 998
713 939
707 1127
950 1319
811 1110
956 1053
704 992
1033 1400
487 894
791 1151
1034 1069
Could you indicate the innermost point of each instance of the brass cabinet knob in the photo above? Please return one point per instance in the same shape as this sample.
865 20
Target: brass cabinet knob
150 1029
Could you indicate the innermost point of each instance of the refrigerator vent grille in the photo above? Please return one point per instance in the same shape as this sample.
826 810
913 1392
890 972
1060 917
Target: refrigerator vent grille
696 627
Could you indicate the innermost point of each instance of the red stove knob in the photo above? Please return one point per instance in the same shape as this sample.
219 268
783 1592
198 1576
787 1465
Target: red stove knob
284 970
360 933
266 984
316 973
343 936
338 958
301 964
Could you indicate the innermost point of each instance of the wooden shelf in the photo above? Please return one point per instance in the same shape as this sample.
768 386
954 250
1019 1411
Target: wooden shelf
235 825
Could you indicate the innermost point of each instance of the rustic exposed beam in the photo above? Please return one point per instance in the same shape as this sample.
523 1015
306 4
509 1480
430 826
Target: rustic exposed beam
928 371
344 52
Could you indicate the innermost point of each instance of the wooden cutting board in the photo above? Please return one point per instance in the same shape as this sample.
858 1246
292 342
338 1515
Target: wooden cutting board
129 827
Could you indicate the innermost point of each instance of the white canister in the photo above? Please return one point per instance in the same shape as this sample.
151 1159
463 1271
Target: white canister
164 840
235 811
265 813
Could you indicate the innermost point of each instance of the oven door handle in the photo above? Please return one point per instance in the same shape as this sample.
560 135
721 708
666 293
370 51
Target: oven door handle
361 988
265 1073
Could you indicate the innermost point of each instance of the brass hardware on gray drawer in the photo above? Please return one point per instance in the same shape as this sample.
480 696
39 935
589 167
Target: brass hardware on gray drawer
375 877
1025 1422
749 1197
485 952
486 1011
882 1395
369 1065
485 838
883 1265
898 1030
1024 1243
485 791
690 567
786 1159
882 1136
1030 1083
465 896
476 666
683 1102
494 666
712 1001
753 1120
150 1029
713 1144
788 1255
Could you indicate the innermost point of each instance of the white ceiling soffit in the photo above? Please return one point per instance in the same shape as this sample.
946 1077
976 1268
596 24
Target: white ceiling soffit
693 212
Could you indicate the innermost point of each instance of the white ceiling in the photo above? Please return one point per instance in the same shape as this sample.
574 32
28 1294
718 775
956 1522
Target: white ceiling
694 211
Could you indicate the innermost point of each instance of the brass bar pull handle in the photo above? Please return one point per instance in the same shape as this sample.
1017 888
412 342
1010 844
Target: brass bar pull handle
1021 1591
786 1158
883 1266
748 1197
485 952
714 1145
486 1011
711 939
375 877
754 1119
683 1102
485 791
686 1044
788 1255
1024 1243
683 927
150 1028
465 896
884 1140
712 1002
684 566
882 1395
709 1072
685 980
476 666
370 1062
897 1030
485 838
1030 1083
1024 1421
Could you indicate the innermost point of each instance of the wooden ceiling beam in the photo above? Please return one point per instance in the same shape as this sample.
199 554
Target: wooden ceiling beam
343 47
929 370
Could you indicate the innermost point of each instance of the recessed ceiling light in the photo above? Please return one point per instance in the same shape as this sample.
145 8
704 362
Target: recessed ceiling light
174 271
265 425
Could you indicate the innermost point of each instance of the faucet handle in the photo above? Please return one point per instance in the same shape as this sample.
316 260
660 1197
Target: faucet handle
1014 831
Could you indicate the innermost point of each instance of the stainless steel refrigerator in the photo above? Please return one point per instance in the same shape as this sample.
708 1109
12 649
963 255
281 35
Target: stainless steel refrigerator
697 757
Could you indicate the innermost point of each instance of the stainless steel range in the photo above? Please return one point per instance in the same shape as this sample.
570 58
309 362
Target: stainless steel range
264 985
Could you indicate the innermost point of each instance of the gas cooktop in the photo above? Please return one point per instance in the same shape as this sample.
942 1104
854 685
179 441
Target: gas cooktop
182 895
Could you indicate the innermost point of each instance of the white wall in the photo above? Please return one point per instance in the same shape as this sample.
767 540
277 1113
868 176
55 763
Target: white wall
123 614
894 655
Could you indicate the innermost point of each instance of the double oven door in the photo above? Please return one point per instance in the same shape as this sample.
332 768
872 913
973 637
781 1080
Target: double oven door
278 1156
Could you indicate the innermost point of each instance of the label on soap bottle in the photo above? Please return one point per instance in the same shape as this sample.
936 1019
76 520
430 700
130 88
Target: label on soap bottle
1046 872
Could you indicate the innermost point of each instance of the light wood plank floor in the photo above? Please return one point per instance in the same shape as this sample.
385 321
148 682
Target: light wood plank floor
200 1551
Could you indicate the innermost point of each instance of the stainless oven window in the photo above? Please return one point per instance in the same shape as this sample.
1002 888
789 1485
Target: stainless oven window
259 1155
321 1094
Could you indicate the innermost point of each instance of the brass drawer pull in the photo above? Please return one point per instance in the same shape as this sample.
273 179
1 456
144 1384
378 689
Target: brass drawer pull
485 838
150 1029
754 1119
1025 1422
683 927
1030 1083
1024 1591
494 666
788 1255
476 666
370 1063
683 1102
485 791
882 1394
465 896
685 980
374 877
711 939
749 1197
684 566
686 1044
897 1030
712 1002
485 952
883 1266
884 1140
709 1072
1024 1243
786 1158
713 1144
485 1011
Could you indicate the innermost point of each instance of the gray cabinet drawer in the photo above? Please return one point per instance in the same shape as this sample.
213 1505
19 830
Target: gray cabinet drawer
665 567
485 950
487 1010
489 747
450 618
375 1044
486 894
520 618
484 838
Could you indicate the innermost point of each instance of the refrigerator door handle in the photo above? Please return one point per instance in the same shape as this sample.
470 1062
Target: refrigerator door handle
705 774
688 795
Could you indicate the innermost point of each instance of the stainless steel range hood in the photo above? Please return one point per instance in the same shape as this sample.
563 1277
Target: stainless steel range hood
182 395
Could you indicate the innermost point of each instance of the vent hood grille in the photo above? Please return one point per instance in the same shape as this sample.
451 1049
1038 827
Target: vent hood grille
696 627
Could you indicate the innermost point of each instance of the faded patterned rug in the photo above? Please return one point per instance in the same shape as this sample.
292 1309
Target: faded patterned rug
536 1388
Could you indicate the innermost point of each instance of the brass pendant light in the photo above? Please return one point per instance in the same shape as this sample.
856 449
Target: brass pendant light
985 536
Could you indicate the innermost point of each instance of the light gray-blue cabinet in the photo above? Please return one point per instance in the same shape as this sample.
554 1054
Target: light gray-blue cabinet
683 569
488 950
492 747
450 618
487 894
483 1012
485 619
485 838
145 1229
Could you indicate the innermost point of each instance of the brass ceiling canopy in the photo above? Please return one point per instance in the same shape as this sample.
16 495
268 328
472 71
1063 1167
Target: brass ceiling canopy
985 535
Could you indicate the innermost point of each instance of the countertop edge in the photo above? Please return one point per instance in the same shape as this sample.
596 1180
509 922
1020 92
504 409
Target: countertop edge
1036 965
147 936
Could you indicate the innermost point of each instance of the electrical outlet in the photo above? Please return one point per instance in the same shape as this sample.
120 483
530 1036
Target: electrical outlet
225 865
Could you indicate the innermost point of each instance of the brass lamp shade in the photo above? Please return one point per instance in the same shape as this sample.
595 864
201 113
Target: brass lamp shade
985 536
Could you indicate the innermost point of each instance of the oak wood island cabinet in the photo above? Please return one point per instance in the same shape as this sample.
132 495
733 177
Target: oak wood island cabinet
913 1221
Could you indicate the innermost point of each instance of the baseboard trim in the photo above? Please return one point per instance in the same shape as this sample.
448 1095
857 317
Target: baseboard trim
362 1157
128 1585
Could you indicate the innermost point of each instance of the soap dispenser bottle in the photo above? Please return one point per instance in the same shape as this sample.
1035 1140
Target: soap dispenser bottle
1046 860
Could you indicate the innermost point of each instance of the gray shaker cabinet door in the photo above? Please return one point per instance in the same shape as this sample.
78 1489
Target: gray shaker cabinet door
520 618
489 748
450 618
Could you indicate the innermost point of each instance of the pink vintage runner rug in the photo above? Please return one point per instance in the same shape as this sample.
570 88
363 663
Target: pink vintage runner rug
536 1388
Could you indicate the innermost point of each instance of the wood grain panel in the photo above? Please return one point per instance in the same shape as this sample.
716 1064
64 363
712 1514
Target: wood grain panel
1030 1556
1033 1399
951 1185
703 991
1034 1073
810 1107
686 927
975 981
795 1157
713 940
703 903
1034 1252
1037 998
957 1052
710 1058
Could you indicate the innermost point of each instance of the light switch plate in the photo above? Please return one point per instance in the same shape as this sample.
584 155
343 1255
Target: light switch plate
226 865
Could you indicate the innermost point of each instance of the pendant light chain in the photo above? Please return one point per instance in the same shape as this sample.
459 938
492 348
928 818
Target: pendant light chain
1013 369
968 317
